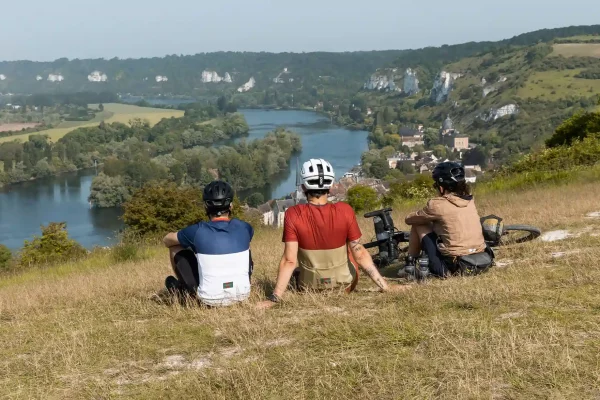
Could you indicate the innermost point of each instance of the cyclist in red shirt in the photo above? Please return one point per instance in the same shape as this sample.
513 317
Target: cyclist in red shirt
322 239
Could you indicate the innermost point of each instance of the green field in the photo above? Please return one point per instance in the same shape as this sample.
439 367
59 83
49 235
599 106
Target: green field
113 112
577 50
554 85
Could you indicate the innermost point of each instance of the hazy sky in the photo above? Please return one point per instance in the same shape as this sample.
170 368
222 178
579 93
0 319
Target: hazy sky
50 29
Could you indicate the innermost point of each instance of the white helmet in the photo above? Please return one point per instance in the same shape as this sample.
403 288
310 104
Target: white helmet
317 174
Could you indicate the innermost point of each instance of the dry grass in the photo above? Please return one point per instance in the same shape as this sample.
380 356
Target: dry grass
113 112
529 330
555 85
577 50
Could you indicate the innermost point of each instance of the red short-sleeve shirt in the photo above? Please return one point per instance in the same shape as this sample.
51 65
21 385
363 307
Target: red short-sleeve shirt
325 227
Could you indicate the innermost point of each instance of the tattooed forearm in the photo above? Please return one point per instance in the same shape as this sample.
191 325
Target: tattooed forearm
374 274
363 258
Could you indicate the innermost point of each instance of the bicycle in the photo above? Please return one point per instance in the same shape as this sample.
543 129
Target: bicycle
388 238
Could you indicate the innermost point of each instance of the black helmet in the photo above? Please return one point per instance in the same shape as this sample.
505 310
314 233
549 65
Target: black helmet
218 196
448 174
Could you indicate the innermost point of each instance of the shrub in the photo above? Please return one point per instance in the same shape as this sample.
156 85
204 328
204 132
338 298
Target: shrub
419 188
157 209
5 257
126 252
53 246
255 199
577 127
362 198
580 153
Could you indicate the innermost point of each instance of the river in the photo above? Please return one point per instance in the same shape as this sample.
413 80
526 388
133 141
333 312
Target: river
24 207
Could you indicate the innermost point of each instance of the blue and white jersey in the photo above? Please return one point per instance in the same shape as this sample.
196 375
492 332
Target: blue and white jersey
223 251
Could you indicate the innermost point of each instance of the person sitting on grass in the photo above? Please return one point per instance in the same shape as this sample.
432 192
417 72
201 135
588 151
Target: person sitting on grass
323 240
212 259
448 229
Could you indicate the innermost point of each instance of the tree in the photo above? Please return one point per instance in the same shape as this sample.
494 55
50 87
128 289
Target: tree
222 103
53 246
362 198
160 208
439 151
388 115
475 156
255 199
5 257
577 127
100 107
405 167
379 168
108 191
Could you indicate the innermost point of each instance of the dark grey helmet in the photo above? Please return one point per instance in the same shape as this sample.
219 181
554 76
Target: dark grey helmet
448 174
218 196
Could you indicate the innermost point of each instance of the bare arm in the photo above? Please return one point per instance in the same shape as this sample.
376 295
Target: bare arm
286 267
171 240
363 258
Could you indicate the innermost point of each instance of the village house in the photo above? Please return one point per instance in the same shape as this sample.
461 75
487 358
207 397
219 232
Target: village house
398 158
410 137
451 138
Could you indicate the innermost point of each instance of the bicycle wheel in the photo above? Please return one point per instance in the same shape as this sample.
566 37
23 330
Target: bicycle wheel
519 234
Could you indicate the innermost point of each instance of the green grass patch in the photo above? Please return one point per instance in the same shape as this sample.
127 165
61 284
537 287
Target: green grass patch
113 112
555 85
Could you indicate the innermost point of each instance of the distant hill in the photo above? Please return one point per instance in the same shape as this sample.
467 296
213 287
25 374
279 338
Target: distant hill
199 75
507 96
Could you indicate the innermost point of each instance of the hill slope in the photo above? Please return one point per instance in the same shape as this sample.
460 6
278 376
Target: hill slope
527 329
506 96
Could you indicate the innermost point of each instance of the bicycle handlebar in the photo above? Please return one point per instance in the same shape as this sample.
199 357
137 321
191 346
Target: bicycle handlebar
378 212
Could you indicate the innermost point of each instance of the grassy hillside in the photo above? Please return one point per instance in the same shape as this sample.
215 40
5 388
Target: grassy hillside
547 81
113 112
578 49
527 329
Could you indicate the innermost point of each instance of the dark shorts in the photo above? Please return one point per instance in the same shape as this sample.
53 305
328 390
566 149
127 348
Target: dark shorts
439 264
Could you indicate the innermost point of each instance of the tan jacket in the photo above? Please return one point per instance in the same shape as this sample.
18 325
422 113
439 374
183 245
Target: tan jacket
455 221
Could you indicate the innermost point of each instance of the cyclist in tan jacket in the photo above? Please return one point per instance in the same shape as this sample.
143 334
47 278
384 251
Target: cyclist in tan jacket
448 227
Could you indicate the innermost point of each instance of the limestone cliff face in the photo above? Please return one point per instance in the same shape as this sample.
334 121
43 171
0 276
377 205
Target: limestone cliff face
495 113
56 78
97 76
2 77
411 82
488 89
210 76
443 85
38 78
161 78
227 78
247 86
380 82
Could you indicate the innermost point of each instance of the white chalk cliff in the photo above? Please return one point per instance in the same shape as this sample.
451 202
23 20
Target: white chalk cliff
411 82
211 77
227 78
495 113
2 77
487 90
56 78
443 85
380 82
247 86
161 78
97 76
38 78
